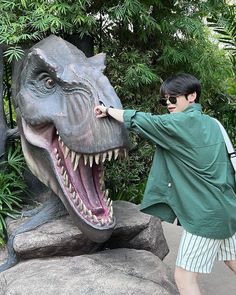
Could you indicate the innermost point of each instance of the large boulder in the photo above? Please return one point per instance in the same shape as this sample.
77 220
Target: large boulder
61 237
111 272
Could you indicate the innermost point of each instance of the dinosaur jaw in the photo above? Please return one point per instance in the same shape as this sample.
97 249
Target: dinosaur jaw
80 178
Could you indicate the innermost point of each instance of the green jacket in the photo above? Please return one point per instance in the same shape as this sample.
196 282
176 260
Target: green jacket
191 177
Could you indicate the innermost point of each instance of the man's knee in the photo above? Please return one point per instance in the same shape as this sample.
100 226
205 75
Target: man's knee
186 282
183 276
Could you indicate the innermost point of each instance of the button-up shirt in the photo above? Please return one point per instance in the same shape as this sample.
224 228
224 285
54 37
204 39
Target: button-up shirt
191 177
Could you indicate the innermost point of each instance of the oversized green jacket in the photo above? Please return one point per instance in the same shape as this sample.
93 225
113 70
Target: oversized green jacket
191 177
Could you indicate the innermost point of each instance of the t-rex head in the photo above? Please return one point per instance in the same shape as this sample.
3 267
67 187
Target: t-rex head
64 144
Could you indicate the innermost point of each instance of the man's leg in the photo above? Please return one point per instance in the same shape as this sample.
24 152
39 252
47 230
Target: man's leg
231 264
196 254
186 282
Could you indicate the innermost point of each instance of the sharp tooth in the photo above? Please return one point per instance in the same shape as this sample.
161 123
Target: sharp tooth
89 213
102 221
62 143
116 153
57 133
85 159
72 156
108 201
111 211
66 180
66 151
90 161
109 220
76 161
59 162
97 159
59 138
64 174
106 193
81 205
109 155
62 170
70 188
55 151
74 195
95 218
84 208
57 156
104 157
77 202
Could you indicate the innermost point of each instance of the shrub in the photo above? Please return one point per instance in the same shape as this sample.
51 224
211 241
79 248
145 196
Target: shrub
11 187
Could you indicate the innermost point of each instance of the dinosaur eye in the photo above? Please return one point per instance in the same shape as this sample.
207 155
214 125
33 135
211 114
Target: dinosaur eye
49 83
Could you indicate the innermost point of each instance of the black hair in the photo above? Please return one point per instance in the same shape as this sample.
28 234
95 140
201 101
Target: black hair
181 84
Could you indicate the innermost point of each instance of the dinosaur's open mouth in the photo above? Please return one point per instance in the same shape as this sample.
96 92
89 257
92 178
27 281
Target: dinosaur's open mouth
80 176
83 179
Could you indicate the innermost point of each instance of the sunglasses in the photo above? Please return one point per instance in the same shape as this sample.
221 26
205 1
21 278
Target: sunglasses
172 99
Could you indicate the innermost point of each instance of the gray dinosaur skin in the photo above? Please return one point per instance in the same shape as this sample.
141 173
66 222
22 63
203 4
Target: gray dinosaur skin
56 90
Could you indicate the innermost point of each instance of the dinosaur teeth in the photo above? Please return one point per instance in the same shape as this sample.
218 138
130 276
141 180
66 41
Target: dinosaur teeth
106 193
62 170
95 219
97 159
104 157
67 150
116 154
76 162
73 154
90 161
70 188
85 159
110 155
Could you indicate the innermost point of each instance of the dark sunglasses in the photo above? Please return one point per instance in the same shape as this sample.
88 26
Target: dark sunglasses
172 99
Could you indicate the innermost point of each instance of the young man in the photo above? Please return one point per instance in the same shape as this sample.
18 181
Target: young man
191 178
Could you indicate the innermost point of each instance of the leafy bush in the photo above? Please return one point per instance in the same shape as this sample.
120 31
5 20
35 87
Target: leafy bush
11 187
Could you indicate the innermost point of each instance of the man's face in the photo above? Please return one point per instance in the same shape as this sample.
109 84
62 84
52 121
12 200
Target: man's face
182 102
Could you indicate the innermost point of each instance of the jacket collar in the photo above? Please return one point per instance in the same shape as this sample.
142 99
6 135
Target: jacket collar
193 107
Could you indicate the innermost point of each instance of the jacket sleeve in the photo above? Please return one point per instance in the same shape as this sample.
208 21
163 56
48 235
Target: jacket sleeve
152 127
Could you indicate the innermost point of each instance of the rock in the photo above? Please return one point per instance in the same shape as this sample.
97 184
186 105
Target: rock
61 237
3 254
112 272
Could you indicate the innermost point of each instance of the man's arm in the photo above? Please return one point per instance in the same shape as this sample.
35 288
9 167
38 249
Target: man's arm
102 111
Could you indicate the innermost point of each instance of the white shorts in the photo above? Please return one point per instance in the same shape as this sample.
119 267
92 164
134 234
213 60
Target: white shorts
197 254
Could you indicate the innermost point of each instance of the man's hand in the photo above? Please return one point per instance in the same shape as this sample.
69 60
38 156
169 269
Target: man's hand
100 111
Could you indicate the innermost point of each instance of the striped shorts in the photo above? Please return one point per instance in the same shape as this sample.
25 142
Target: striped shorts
197 254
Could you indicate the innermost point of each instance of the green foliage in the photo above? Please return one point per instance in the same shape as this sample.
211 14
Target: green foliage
224 24
11 187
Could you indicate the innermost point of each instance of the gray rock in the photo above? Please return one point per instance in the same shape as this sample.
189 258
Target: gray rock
112 272
61 237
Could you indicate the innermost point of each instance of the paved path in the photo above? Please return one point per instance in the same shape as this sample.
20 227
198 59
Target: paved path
222 281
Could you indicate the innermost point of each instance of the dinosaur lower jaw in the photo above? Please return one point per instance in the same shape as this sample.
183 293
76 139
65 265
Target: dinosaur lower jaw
79 176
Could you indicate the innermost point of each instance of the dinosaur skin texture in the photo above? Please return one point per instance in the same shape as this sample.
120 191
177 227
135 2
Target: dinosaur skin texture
64 144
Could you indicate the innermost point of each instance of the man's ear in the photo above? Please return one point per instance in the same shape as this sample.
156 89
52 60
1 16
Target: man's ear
192 97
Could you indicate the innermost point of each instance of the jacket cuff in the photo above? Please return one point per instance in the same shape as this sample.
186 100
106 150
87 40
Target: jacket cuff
127 116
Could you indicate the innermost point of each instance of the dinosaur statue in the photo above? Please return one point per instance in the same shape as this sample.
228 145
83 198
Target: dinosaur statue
55 89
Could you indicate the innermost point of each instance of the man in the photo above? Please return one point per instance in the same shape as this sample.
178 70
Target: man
191 178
